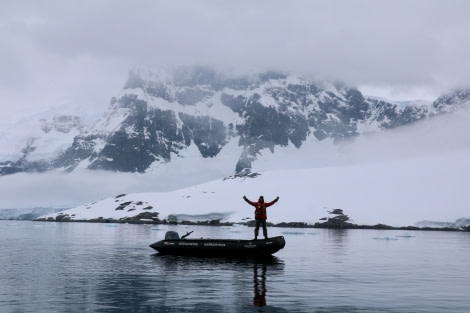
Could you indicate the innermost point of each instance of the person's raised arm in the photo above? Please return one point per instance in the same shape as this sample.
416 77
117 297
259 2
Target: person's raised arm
272 202
248 201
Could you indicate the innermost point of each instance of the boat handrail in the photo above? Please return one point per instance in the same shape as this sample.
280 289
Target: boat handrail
187 234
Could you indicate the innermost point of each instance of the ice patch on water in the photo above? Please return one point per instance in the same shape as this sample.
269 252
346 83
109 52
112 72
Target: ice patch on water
405 235
384 238
293 233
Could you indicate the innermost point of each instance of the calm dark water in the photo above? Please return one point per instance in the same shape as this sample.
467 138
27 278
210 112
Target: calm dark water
75 267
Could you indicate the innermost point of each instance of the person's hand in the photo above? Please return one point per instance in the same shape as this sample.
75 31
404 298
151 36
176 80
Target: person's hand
244 198
277 199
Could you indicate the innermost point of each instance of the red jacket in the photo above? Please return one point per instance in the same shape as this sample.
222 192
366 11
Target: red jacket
260 208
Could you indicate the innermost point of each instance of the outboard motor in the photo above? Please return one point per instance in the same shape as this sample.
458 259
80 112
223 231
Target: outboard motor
172 235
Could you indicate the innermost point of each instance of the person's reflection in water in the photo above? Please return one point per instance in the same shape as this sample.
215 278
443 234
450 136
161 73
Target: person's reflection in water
260 285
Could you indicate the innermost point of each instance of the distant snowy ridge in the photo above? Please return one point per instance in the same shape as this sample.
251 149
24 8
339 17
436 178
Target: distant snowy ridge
32 144
26 214
459 223
159 115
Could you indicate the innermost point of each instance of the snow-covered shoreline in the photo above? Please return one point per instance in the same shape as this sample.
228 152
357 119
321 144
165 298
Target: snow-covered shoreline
398 193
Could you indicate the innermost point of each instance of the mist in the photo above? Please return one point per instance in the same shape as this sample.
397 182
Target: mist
444 134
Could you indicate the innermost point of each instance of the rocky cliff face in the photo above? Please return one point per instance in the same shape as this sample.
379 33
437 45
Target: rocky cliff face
160 114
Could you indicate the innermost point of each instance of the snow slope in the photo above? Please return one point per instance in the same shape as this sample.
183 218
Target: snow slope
397 193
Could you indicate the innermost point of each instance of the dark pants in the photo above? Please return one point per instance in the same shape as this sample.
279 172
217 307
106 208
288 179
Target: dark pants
262 222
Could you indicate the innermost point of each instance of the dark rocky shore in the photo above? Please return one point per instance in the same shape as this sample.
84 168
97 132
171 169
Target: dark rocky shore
338 221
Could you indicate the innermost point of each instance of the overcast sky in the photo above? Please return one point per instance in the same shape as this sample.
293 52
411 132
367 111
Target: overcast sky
77 54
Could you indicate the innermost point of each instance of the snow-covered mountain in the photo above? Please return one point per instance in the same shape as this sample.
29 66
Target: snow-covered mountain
176 135
165 116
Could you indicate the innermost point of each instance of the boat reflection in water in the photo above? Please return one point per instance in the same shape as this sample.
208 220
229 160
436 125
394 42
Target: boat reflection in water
217 284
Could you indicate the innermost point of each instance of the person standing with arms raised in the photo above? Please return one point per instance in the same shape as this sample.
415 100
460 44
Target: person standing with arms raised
260 214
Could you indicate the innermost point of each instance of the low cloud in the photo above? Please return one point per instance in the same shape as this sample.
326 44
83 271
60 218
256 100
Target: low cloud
79 55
